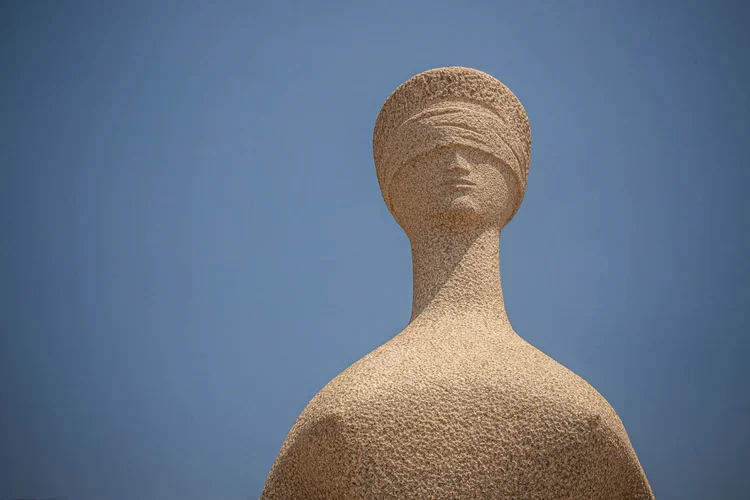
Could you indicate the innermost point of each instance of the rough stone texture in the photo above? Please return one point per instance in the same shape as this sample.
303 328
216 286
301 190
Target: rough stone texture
457 405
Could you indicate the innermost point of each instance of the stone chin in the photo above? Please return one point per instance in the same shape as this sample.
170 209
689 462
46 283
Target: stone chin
460 208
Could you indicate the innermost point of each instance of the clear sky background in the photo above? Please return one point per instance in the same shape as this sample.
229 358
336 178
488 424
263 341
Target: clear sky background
194 241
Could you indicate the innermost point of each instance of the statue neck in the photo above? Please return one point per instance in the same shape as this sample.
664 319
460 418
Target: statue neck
457 277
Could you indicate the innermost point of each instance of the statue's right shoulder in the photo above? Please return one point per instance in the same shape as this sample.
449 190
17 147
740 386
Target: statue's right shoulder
321 456
314 461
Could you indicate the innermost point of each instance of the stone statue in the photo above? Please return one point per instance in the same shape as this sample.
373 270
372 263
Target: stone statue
457 405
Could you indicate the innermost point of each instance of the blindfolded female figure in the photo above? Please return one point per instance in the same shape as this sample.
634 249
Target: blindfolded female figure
457 405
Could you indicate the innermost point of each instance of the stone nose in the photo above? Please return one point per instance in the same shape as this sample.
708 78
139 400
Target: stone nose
457 164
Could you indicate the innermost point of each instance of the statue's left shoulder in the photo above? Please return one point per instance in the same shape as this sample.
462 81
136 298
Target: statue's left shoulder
608 464
594 448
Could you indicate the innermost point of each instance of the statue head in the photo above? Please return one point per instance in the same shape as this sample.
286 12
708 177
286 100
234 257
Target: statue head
452 146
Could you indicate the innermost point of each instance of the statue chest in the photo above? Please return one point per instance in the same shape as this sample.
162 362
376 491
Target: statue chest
474 426
445 440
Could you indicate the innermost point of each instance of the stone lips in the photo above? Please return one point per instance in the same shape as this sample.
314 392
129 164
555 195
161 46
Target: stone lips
502 116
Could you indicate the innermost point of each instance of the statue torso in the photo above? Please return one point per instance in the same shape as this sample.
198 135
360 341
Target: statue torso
455 414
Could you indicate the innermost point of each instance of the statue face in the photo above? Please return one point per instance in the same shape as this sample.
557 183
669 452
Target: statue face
457 186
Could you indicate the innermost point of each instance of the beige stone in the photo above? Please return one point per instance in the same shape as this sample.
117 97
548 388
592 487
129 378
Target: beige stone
457 405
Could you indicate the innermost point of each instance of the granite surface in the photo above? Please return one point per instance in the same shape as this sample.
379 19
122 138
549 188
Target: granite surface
457 405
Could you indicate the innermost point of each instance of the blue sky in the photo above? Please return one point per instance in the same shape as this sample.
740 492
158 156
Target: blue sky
194 242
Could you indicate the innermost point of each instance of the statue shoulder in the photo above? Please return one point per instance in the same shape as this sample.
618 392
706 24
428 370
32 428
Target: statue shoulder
322 457
603 461
591 441
315 460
